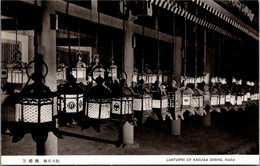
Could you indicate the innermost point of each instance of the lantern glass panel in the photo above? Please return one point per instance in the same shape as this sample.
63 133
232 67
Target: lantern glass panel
160 103
36 110
196 101
228 98
61 74
142 104
98 108
73 103
239 100
233 100
16 76
126 105
186 99
245 97
214 100
79 73
248 95
135 77
98 73
222 100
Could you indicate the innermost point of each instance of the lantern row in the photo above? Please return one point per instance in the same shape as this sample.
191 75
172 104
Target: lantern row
167 4
159 100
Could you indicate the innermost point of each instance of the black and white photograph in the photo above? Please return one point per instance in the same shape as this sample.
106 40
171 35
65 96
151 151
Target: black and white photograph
111 82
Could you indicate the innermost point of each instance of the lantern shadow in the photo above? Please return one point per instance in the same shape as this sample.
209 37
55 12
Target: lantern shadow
64 133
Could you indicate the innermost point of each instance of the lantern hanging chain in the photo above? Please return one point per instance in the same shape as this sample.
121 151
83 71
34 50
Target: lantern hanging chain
196 49
79 35
174 44
142 64
185 40
205 46
97 32
123 50
213 50
67 14
16 33
158 44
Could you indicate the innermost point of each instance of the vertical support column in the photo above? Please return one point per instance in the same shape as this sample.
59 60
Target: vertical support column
176 124
206 119
128 51
46 40
94 5
128 60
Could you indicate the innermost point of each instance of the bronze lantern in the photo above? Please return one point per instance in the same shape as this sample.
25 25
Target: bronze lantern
36 114
122 102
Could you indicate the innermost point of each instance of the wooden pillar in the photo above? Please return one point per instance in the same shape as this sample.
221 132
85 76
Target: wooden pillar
208 54
176 124
128 66
94 5
46 41
128 51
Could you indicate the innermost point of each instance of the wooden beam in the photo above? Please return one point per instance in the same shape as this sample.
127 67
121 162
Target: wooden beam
89 15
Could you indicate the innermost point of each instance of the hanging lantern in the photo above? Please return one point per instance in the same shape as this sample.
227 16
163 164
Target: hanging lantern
112 70
79 72
160 101
122 103
70 97
186 98
214 98
36 109
142 101
134 79
239 99
61 69
197 101
174 101
98 100
233 100
98 72
61 74
16 72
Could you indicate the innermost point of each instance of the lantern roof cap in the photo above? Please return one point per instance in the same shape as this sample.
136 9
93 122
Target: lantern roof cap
197 92
188 91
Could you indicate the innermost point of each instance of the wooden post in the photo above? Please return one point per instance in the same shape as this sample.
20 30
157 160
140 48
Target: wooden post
128 64
206 119
46 41
176 124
